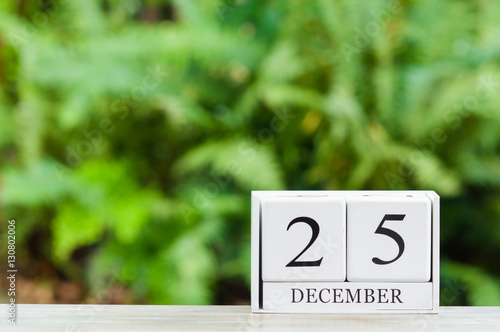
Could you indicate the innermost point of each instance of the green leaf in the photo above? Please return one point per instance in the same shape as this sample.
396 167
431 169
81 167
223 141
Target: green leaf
253 166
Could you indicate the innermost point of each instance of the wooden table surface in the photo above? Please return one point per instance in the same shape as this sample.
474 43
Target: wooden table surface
81 318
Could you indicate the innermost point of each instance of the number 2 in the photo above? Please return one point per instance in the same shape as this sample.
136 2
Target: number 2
392 234
315 232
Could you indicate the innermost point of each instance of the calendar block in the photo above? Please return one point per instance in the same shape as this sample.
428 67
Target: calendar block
389 238
303 238
345 251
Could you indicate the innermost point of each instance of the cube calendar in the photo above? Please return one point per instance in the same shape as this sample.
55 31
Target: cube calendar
345 251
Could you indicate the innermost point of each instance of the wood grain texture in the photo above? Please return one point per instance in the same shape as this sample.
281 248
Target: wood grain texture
81 318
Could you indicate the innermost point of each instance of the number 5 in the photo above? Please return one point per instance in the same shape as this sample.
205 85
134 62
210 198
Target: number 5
392 234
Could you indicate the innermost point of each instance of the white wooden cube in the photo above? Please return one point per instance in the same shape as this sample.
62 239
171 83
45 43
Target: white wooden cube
303 238
389 238
345 251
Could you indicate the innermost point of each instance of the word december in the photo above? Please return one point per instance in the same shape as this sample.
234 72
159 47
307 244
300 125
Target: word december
339 295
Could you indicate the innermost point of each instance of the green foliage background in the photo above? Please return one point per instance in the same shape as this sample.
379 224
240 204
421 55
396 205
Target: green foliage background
132 132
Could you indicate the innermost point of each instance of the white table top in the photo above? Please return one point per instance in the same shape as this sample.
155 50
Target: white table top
81 318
